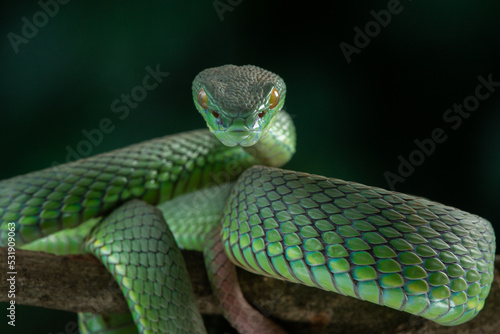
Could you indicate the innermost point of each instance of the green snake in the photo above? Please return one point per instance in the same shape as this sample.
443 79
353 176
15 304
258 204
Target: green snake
208 190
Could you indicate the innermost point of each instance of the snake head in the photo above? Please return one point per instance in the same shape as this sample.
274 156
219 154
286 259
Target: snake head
239 103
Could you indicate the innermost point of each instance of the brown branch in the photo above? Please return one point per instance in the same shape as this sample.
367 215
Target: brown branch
80 283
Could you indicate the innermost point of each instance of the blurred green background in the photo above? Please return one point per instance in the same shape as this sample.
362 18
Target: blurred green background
353 119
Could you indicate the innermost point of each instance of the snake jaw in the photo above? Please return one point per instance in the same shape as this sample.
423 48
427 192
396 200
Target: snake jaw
246 129
238 138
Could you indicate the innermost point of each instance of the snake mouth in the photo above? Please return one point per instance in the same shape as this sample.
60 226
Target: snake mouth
239 137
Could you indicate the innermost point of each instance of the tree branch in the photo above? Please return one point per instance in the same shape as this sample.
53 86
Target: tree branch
80 283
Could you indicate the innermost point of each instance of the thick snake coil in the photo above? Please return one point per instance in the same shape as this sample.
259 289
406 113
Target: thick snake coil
389 248
385 247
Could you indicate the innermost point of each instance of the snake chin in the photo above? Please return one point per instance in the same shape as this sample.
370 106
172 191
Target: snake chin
238 138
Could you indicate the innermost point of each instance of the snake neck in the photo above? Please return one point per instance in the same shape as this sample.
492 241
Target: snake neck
277 146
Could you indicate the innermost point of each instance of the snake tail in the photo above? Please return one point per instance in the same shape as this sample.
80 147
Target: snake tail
224 281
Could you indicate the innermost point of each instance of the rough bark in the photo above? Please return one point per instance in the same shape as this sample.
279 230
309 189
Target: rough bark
81 283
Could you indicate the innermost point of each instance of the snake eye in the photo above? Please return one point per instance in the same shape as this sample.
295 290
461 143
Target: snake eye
273 99
203 99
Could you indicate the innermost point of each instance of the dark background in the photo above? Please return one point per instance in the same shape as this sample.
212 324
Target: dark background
353 119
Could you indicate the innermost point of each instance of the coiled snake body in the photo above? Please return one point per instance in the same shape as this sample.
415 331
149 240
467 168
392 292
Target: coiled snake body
210 187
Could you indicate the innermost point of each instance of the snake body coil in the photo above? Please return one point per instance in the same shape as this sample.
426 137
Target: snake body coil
385 247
